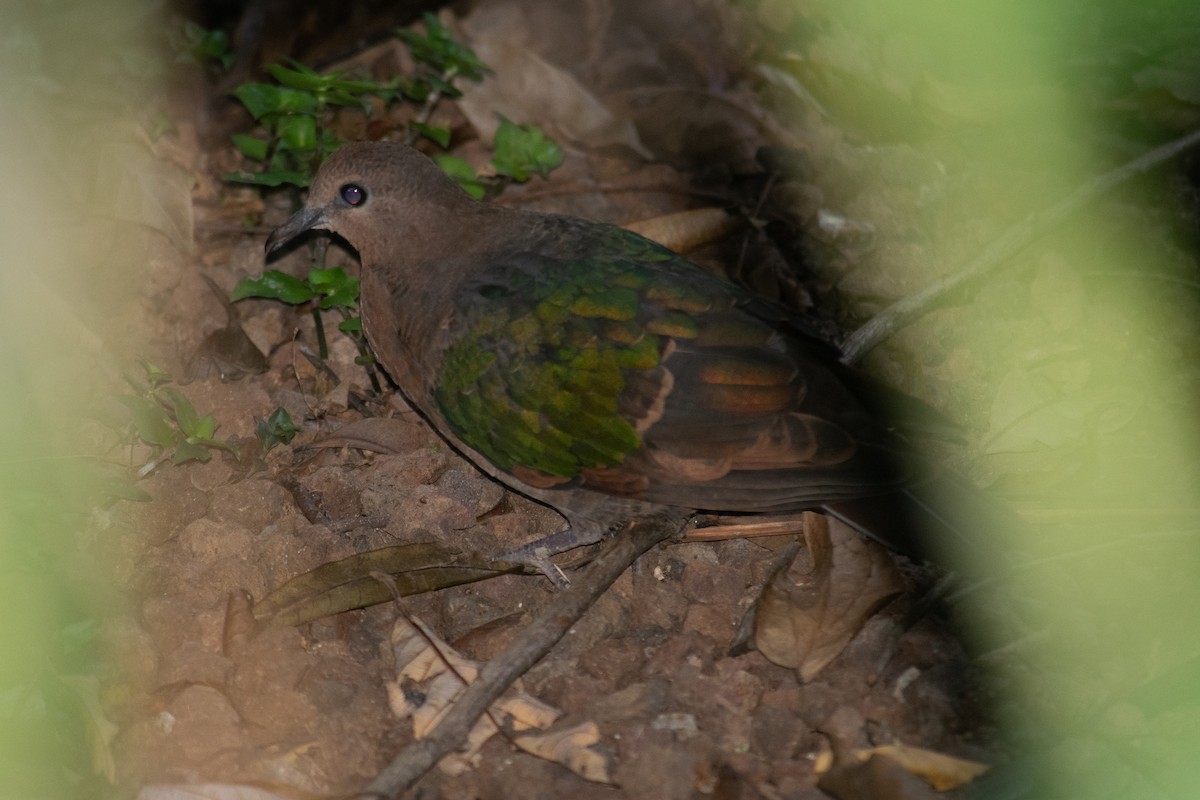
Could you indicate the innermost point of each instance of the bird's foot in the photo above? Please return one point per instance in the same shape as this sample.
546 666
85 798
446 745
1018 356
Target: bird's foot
537 554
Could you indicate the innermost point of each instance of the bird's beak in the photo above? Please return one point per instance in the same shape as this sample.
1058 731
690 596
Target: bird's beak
306 219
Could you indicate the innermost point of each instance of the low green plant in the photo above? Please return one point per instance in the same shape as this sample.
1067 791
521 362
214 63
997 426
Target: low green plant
165 420
275 430
440 62
195 43
521 151
329 288
293 115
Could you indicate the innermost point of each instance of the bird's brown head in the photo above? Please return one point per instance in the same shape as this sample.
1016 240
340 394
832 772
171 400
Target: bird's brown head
375 195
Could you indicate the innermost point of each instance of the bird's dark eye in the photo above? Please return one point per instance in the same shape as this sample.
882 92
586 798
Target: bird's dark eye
353 194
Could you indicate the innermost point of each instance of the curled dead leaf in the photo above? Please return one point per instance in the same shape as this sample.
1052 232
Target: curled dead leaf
570 747
807 616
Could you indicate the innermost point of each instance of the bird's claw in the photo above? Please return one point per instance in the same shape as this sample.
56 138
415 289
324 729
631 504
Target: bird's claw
536 555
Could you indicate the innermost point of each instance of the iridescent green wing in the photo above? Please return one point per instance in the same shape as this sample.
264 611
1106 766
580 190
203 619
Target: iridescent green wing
620 367
548 349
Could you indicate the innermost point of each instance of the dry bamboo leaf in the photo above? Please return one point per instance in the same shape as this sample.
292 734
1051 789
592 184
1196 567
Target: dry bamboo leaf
687 230
343 585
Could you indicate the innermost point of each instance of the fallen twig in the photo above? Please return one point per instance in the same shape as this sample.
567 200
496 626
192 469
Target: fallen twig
533 643
1018 237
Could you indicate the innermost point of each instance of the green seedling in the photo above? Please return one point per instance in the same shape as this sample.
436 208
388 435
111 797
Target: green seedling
326 287
521 151
275 429
294 115
195 43
165 420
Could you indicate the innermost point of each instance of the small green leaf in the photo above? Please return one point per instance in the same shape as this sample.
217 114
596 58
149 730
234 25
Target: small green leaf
352 325
329 142
437 49
455 167
338 288
155 374
297 132
275 285
355 89
462 172
189 451
337 97
276 429
191 423
203 429
150 421
301 77
205 44
322 278
250 146
446 86
261 99
416 90
522 150
272 178
434 132
326 90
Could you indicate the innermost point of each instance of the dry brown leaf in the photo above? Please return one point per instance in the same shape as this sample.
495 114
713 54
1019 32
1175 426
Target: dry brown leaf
943 772
570 747
346 584
806 617
527 88
876 777
424 659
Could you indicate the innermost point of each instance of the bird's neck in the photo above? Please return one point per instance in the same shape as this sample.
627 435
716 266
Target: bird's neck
409 279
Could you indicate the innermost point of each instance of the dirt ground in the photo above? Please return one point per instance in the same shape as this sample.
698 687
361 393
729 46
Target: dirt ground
305 709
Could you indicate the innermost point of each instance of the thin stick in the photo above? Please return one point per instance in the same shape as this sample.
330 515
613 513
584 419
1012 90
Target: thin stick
533 643
1017 238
